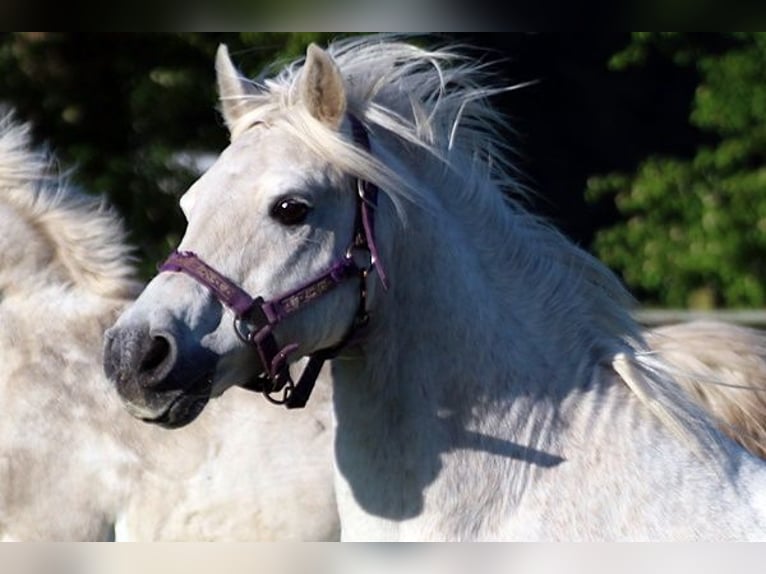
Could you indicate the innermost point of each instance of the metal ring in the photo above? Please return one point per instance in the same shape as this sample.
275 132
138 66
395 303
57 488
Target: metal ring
370 258
244 330
286 391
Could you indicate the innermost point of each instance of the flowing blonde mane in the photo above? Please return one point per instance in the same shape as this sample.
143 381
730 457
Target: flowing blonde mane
86 238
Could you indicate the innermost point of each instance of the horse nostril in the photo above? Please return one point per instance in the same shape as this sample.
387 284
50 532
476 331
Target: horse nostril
135 357
155 356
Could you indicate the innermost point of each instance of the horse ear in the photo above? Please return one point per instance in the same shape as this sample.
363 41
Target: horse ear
233 88
321 87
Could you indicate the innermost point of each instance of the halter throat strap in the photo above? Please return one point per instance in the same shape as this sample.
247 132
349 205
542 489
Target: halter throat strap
255 318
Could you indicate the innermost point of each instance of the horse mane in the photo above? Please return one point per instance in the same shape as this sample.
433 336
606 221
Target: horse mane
434 104
86 237
433 100
723 367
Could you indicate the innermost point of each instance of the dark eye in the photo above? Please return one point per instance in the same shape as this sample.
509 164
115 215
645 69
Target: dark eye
290 211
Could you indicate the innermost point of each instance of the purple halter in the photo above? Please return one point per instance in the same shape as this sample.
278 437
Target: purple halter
255 319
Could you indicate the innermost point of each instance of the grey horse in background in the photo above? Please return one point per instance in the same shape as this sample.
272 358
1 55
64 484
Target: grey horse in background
74 465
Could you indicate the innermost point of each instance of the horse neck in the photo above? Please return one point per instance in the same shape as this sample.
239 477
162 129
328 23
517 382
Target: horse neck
480 288
475 347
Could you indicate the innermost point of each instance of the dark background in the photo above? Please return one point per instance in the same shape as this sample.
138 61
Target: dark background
582 119
118 105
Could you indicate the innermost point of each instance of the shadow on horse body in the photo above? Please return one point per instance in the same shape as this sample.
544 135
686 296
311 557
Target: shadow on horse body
73 464
489 382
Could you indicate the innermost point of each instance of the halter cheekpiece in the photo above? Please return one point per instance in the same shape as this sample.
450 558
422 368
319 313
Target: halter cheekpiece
255 318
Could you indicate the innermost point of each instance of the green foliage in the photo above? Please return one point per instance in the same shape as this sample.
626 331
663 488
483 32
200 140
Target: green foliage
694 230
122 107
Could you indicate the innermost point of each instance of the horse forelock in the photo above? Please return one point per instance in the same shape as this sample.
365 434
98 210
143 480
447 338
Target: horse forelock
85 236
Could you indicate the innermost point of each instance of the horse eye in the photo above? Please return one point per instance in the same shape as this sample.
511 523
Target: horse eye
290 211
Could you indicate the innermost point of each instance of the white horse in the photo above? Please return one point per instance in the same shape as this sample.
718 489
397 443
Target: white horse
500 389
73 464
48 242
61 256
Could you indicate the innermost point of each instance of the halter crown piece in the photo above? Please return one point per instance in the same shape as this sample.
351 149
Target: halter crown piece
255 319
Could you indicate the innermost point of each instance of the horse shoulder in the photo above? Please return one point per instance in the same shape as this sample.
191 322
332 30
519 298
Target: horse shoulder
629 476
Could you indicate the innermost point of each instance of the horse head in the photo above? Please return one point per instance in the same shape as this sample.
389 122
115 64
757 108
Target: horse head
276 214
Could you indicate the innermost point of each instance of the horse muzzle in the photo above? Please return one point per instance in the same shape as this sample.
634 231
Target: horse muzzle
153 384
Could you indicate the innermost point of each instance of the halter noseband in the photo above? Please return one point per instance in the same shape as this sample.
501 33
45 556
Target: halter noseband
255 319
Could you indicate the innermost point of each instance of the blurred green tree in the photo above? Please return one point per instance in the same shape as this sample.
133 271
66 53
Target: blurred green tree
694 229
131 112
